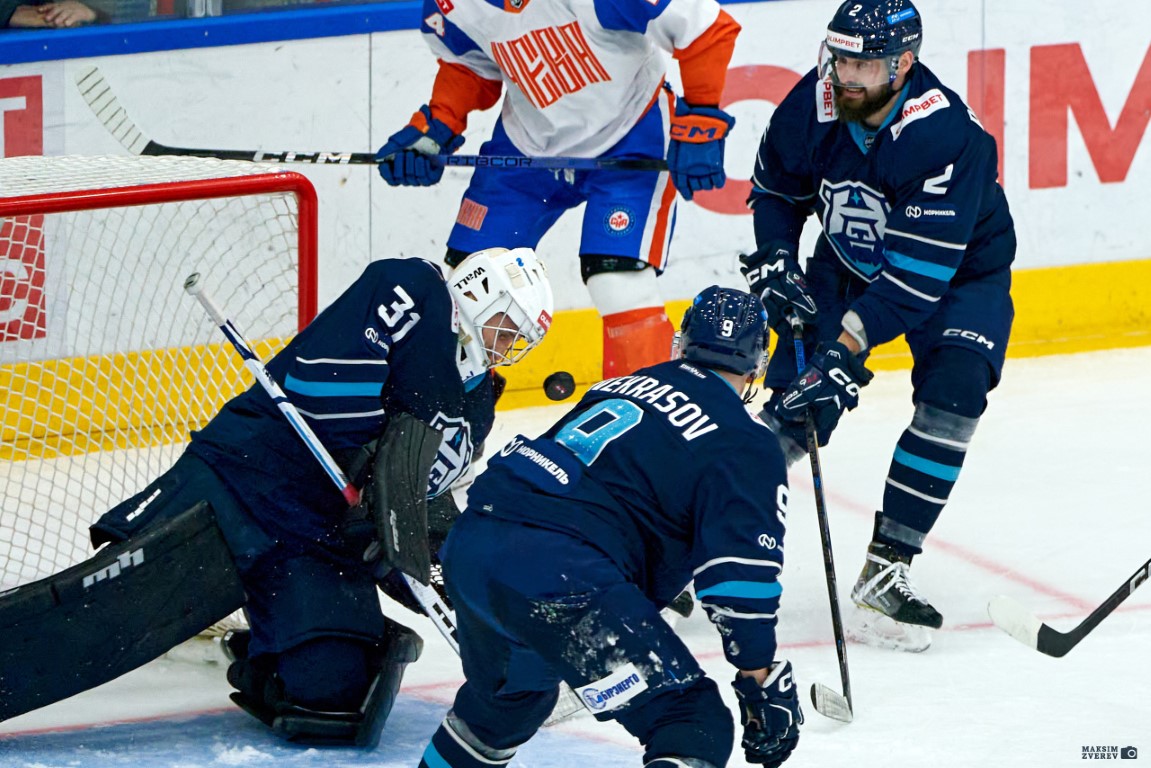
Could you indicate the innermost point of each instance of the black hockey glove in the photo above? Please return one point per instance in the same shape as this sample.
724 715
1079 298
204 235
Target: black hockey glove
770 715
829 385
774 275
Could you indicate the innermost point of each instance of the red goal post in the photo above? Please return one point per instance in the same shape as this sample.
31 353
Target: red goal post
106 364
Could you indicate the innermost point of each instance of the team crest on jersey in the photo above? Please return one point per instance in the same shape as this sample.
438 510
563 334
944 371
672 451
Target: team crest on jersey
515 6
854 220
619 221
455 452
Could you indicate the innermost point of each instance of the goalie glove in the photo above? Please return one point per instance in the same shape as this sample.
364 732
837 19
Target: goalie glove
695 153
770 715
409 157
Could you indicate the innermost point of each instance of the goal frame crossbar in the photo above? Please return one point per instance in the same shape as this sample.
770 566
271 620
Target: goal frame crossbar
288 182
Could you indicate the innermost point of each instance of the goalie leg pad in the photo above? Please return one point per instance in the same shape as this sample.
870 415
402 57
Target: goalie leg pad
302 694
114 612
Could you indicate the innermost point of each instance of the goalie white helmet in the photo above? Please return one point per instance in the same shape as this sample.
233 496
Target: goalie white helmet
507 293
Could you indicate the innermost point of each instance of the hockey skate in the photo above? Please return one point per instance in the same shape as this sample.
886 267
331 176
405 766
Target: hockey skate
889 612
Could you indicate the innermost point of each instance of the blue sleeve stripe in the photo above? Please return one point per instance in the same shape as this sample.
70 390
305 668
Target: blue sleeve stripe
926 466
752 589
919 267
332 388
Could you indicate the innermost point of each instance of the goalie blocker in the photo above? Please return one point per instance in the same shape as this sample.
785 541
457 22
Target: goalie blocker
114 612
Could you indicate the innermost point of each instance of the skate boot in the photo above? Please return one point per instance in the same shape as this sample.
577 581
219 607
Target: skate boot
890 613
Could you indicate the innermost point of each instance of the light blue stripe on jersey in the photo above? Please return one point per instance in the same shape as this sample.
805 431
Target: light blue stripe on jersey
754 589
919 267
332 388
434 759
927 467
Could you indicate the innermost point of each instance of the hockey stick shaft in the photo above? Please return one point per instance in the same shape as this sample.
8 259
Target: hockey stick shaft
1017 621
828 560
252 362
107 108
433 606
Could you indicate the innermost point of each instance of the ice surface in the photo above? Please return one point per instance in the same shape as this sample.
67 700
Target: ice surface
1052 509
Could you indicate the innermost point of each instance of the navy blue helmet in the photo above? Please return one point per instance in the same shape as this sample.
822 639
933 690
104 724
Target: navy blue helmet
726 329
875 29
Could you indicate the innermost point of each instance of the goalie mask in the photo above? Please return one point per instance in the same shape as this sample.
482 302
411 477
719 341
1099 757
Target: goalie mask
865 40
726 329
505 307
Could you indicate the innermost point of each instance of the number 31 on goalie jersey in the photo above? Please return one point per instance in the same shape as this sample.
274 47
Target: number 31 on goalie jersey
591 431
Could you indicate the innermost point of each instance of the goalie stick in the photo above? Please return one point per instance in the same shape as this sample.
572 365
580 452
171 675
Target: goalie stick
1010 616
826 701
104 104
441 615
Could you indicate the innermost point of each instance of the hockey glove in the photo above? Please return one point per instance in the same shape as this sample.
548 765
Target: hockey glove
829 385
695 154
774 275
408 159
770 715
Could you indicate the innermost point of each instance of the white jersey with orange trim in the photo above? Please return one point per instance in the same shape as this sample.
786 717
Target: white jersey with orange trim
579 73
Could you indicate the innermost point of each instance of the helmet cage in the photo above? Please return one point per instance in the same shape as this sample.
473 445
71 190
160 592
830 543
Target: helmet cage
506 292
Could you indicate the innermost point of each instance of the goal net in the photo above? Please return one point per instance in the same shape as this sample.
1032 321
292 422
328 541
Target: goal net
106 364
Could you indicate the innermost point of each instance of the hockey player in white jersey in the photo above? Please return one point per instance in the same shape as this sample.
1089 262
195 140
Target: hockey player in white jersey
583 79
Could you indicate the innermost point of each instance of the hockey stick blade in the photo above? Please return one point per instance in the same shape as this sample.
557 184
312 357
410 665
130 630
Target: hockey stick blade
1017 621
1009 615
101 99
830 704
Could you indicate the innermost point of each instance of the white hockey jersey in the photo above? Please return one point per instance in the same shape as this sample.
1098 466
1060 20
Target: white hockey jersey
579 74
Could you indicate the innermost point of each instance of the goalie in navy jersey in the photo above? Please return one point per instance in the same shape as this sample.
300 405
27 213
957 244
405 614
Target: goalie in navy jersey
917 242
395 379
573 541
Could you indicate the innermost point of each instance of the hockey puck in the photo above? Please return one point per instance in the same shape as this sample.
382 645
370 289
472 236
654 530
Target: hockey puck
559 385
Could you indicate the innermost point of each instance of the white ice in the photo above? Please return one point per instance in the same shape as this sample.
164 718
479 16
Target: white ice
1052 509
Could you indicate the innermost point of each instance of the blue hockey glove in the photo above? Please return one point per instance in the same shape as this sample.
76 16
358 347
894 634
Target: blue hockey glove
408 159
770 715
829 385
695 154
774 275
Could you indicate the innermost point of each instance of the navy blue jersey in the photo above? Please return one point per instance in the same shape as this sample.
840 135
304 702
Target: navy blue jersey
666 473
907 209
388 344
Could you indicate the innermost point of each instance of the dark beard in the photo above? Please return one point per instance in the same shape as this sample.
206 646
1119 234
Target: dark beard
872 103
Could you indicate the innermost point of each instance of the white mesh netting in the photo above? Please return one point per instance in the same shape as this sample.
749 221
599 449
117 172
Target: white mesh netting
106 364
